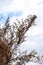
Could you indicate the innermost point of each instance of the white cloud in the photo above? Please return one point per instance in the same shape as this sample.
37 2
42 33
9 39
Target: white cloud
14 5
20 5
26 6
32 63
33 31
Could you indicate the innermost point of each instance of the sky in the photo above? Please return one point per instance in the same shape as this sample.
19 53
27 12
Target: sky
21 9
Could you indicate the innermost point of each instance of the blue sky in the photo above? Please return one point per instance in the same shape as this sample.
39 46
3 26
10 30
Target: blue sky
22 8
16 14
9 14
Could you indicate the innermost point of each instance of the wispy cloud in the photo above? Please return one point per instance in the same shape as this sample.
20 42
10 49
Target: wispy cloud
12 5
25 6
40 2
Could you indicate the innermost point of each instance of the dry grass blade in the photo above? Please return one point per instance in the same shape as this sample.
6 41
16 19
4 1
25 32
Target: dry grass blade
10 39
